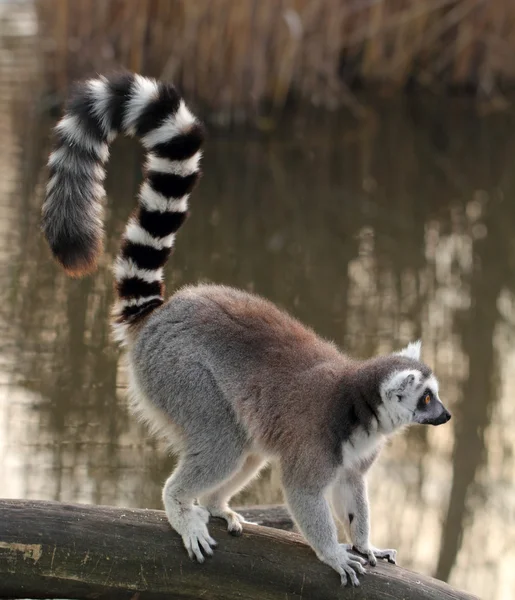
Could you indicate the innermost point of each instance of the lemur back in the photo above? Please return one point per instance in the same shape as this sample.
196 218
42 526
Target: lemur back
231 380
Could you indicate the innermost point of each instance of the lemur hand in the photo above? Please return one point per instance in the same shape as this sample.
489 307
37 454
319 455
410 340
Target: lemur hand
346 565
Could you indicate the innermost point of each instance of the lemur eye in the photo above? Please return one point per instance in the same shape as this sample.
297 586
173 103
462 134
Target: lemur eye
427 399
399 398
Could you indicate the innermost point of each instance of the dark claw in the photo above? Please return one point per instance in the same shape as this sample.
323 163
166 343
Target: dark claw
236 532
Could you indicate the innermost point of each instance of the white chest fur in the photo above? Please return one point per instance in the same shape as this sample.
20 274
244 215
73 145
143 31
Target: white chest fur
360 447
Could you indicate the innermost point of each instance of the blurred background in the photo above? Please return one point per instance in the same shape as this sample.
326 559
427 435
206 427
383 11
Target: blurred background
358 172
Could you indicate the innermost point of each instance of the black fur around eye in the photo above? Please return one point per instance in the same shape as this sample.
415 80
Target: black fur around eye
425 400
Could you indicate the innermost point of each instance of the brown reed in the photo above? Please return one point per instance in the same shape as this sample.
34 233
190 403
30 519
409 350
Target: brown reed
244 59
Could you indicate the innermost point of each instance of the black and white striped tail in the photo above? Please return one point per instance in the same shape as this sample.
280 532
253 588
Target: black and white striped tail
98 110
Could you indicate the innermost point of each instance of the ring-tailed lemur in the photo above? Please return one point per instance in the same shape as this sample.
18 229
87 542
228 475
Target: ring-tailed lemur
233 380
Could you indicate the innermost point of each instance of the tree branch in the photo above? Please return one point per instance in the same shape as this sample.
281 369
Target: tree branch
54 550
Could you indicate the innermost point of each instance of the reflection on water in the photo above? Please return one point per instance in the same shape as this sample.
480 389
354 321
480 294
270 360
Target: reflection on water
373 234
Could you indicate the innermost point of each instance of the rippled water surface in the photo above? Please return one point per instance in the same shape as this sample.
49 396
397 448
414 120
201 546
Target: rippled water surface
373 233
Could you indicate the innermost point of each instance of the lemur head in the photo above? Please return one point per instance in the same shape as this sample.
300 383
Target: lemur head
409 391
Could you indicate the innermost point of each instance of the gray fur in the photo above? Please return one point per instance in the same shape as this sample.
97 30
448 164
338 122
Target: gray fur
244 381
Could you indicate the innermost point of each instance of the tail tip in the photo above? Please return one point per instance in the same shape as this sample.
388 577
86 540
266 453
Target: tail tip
78 258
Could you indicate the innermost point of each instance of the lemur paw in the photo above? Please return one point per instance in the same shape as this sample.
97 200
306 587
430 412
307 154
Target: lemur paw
232 518
346 565
390 554
195 534
350 548
373 554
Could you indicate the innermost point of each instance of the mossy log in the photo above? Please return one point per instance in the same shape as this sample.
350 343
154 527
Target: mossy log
54 550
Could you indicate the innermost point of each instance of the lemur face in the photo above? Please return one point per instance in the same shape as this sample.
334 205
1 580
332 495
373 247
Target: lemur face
429 409
409 397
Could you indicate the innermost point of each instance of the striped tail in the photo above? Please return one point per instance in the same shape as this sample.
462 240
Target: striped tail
72 221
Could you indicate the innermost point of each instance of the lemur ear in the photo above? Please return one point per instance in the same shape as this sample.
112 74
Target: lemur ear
406 383
399 383
412 350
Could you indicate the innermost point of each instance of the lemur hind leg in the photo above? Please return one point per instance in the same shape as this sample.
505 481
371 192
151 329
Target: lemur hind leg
350 502
217 501
201 468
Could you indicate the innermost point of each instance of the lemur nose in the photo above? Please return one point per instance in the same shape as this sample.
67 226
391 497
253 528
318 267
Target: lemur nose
447 416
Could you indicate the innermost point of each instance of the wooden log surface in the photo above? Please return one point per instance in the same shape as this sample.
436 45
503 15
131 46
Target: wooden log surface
54 550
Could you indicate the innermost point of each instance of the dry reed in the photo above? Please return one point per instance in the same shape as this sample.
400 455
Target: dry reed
243 59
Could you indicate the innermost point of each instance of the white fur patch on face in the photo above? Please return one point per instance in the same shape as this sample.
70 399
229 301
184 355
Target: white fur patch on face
432 384
400 382
400 392
412 350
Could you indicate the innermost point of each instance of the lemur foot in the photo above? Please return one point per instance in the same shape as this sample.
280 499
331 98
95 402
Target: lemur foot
373 554
232 518
346 565
191 524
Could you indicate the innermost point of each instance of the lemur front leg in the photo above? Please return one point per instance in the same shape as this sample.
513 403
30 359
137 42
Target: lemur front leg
312 514
350 502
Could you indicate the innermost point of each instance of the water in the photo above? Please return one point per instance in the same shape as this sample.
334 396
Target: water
373 233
